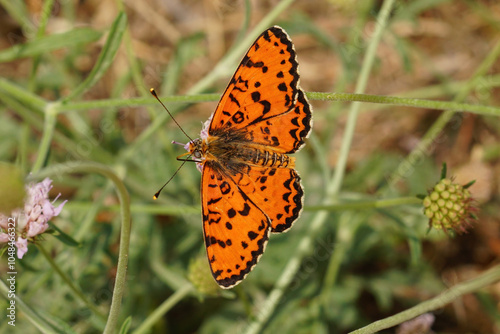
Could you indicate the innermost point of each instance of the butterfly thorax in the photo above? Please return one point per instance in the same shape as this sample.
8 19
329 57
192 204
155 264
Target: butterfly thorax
235 152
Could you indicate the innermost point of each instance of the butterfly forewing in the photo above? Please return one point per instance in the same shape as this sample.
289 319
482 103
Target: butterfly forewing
263 86
277 191
285 133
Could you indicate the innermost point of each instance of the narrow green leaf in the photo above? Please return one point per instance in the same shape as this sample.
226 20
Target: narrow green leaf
105 58
17 10
126 325
444 171
10 90
469 184
50 43
63 237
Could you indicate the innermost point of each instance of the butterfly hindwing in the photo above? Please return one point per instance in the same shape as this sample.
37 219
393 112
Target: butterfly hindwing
277 191
236 230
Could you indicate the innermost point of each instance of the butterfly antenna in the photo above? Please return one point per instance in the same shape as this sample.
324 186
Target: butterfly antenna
155 196
153 92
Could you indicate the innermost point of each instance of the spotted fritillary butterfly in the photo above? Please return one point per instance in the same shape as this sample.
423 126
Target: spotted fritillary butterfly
249 186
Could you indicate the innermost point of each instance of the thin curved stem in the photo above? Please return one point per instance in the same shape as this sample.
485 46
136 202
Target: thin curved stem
487 278
91 167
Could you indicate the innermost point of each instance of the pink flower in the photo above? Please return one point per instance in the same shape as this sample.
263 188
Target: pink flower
35 217
4 221
22 247
4 237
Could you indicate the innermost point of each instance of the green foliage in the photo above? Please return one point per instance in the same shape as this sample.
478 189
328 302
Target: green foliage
359 257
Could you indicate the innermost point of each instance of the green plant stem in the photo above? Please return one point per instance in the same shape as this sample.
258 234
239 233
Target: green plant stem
21 94
334 187
346 231
342 205
407 102
435 130
306 243
47 134
196 98
161 310
105 59
348 224
364 204
70 282
46 11
487 278
39 322
92 210
17 10
134 102
91 167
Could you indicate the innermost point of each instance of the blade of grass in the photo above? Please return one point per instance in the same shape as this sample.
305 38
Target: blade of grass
49 124
17 10
50 43
13 91
485 279
44 18
105 58
436 129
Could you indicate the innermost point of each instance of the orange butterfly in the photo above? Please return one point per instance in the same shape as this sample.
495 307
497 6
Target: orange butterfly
248 186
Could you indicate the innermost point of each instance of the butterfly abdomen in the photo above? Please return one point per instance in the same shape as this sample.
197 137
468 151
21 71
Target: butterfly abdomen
236 150
269 159
236 154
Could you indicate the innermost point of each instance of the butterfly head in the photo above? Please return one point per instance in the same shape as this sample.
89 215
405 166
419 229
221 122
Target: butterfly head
196 149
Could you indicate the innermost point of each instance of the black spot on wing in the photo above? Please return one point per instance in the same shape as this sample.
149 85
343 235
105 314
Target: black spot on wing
282 87
255 96
245 211
231 213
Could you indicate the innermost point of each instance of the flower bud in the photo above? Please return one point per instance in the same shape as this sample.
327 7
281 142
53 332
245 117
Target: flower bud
199 274
449 206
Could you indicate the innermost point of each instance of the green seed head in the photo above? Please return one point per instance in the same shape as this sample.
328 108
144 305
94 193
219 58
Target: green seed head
199 274
449 206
